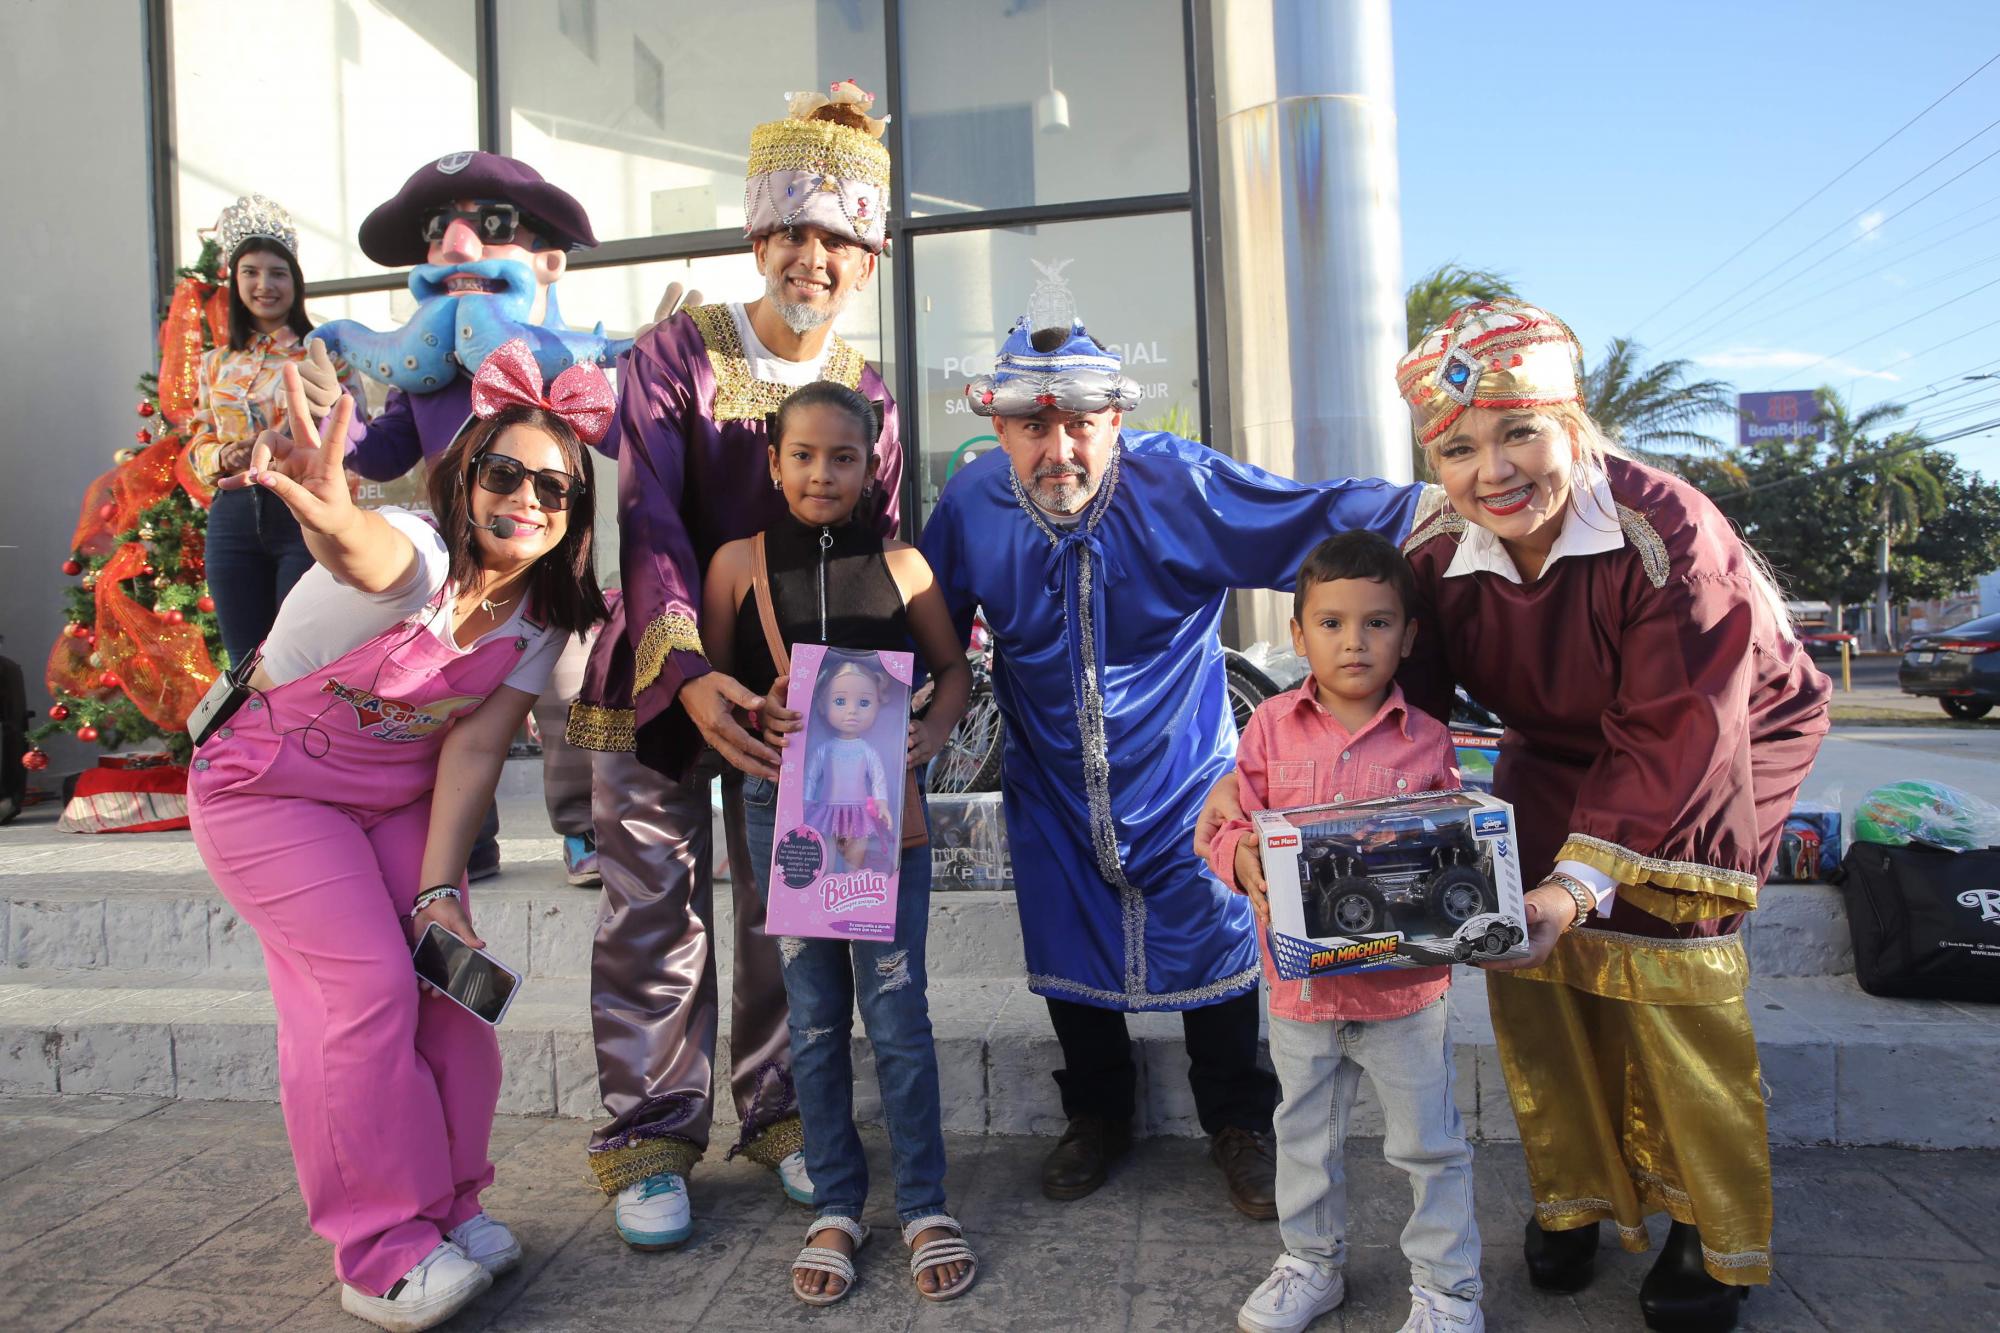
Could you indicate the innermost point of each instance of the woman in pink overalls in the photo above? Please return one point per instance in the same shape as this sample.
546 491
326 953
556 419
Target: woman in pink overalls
349 786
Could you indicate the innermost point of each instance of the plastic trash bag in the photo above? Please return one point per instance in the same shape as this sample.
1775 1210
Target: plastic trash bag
1898 813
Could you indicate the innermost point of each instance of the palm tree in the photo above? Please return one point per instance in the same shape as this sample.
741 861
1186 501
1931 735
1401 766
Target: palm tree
1653 410
1431 298
1898 486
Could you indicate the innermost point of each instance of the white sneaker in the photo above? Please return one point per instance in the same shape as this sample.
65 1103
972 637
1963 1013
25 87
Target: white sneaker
432 1292
792 1175
1295 1294
655 1214
487 1243
1435 1312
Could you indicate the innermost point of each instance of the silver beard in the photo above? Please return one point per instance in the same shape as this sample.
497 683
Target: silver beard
799 317
1062 490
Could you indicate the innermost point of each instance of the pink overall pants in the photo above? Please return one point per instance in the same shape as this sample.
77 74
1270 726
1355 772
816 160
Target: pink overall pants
311 809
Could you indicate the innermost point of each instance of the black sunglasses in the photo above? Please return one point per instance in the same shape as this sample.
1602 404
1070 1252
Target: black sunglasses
502 476
493 224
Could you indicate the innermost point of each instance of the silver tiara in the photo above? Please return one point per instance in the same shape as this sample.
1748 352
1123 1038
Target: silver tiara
254 215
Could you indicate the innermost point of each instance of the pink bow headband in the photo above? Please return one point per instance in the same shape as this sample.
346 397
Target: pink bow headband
509 377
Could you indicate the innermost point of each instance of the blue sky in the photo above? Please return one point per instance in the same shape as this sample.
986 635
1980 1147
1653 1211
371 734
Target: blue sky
1606 156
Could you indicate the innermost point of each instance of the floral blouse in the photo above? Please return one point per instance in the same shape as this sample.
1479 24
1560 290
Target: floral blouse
241 395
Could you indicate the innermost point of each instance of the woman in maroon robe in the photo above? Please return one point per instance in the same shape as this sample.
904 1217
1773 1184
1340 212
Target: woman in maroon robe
1660 717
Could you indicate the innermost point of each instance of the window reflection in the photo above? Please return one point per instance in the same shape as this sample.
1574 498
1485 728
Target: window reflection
642 108
1018 102
1132 280
326 106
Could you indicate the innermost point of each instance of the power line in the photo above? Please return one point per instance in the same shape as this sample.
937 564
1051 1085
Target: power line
1676 335
1907 291
1965 295
1847 171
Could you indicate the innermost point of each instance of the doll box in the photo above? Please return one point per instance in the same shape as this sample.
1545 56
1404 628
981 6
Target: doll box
1404 881
837 846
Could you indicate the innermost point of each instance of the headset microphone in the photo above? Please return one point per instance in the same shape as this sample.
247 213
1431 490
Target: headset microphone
501 526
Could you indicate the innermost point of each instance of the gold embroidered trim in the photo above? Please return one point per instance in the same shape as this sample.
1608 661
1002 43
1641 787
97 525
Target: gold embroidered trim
775 1142
741 396
823 147
1652 551
669 633
591 727
1630 868
618 1168
1435 517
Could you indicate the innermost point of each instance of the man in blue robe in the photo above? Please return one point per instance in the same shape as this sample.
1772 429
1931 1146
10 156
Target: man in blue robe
1099 558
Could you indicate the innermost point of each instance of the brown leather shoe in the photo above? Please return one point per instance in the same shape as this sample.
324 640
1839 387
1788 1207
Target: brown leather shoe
1081 1161
1249 1164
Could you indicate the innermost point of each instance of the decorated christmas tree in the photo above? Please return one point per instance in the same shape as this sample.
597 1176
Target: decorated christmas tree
141 645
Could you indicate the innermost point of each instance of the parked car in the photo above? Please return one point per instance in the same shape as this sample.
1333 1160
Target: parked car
1826 642
1959 667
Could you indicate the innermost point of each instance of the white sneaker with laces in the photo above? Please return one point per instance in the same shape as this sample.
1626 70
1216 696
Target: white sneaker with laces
1435 1312
487 1242
441 1285
655 1214
1295 1294
792 1175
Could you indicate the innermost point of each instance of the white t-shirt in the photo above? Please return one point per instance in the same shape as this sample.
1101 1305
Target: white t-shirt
767 365
323 619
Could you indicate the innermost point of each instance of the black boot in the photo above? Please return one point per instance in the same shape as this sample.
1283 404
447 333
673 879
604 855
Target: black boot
1561 1260
1081 1161
1679 1296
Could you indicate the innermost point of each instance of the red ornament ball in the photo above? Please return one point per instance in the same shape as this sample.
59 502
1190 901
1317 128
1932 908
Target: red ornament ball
204 604
35 760
143 436
146 571
109 680
86 733
74 630
107 512
174 617
145 409
58 711
72 567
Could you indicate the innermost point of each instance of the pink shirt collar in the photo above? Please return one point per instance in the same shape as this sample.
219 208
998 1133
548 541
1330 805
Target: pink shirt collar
1307 696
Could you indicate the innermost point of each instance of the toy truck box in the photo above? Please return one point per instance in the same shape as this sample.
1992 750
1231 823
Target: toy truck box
1403 881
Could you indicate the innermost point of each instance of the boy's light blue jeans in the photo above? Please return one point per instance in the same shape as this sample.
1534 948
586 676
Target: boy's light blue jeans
1408 1060
823 979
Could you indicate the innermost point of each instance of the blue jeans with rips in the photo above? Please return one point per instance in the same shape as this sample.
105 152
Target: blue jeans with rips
823 980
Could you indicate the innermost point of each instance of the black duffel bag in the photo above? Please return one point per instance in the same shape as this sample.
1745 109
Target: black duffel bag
1925 920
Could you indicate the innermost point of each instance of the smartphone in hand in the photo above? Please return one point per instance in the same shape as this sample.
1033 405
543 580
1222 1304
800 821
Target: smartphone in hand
472 978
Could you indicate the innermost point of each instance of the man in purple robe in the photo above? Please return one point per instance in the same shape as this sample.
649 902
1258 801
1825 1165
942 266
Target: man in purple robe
693 473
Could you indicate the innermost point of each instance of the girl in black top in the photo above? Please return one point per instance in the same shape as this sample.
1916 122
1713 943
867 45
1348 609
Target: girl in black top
834 581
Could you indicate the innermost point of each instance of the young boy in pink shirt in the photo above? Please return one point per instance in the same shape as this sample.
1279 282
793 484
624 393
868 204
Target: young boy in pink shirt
1346 735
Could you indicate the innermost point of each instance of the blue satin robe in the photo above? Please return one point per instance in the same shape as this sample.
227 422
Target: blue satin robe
1110 679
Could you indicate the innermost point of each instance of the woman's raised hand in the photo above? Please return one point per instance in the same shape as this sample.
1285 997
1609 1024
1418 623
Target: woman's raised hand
312 478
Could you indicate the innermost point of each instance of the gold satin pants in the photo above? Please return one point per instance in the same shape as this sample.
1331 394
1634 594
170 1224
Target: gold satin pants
1628 1107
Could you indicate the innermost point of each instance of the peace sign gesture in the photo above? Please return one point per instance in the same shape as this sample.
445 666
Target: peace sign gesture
311 478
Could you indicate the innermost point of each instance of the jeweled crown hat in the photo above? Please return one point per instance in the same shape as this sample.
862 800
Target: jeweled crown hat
1495 354
824 165
1079 375
250 217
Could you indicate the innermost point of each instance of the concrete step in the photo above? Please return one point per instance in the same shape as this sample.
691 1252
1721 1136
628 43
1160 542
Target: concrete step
1841 1067
143 903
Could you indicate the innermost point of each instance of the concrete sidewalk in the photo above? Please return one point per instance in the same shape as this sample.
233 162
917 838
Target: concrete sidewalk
135 1213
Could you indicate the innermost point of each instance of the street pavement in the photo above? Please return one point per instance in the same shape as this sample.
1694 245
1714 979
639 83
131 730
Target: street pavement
120 1213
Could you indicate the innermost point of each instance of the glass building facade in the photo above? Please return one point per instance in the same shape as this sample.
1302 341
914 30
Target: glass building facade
1020 147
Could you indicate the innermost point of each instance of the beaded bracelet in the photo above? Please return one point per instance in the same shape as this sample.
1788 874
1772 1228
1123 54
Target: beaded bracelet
429 896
